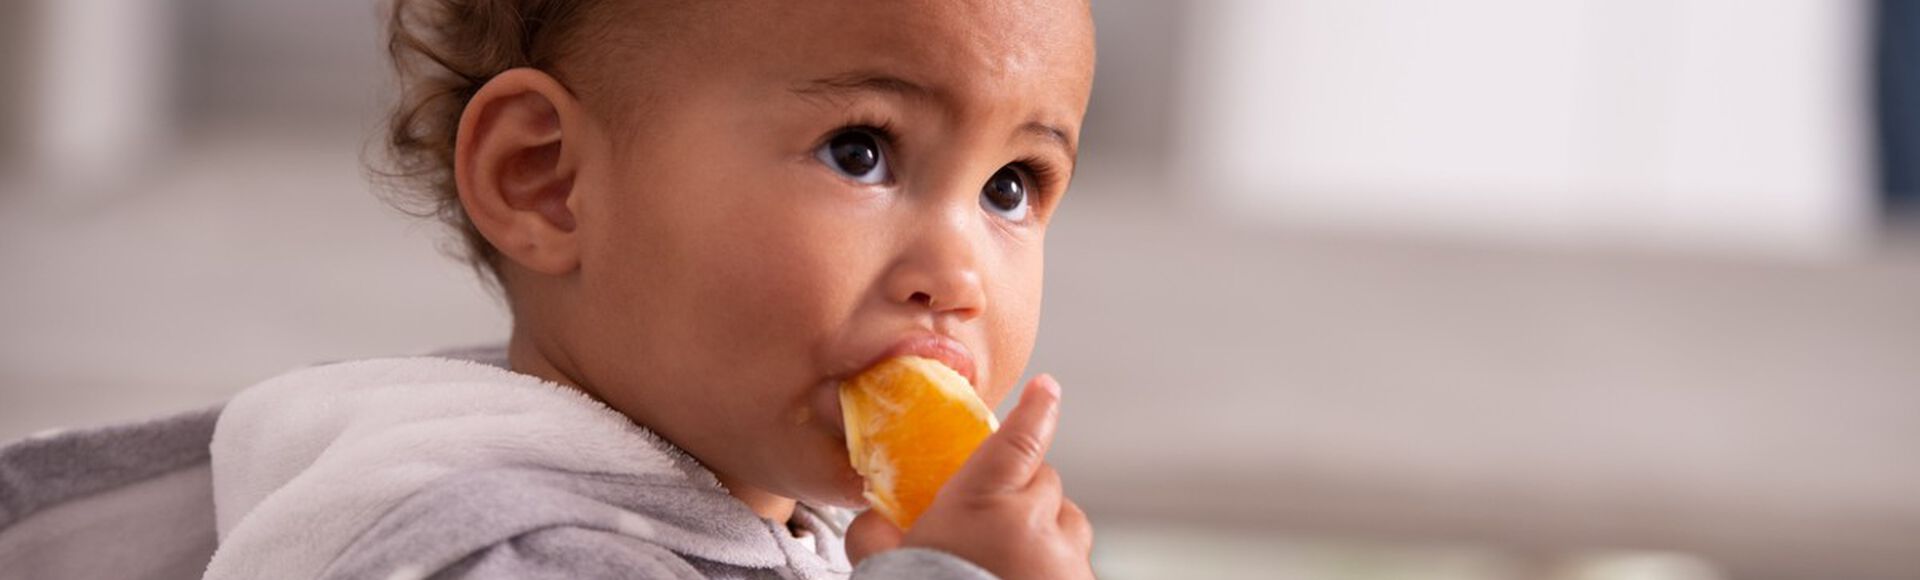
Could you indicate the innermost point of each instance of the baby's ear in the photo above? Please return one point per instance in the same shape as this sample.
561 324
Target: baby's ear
515 167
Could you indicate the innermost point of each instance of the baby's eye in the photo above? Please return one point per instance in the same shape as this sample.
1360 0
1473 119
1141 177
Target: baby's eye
1006 193
856 153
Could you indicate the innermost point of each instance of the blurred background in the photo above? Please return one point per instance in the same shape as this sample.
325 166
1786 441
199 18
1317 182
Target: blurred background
1381 289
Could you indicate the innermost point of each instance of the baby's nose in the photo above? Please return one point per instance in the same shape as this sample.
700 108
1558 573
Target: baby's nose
939 270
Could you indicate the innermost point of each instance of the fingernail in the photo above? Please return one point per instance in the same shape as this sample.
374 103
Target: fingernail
1049 386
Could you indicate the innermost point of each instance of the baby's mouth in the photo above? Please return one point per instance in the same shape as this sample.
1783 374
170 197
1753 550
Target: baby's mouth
947 351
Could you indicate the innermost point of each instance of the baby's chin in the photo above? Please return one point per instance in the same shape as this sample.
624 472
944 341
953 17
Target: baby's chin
826 484
856 501
818 472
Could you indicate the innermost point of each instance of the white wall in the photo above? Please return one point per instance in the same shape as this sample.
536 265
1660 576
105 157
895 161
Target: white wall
1721 124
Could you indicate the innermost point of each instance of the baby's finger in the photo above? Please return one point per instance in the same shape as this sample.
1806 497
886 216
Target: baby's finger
869 534
1045 488
1074 523
1009 458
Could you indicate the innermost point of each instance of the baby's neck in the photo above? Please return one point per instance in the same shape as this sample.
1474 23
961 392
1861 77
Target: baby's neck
526 358
768 505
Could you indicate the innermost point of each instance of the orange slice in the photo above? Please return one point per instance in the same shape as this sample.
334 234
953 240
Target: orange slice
911 422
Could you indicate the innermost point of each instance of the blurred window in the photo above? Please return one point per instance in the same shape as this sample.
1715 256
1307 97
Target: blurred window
1898 61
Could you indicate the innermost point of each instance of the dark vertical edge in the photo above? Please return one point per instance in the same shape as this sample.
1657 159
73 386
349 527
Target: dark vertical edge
1896 62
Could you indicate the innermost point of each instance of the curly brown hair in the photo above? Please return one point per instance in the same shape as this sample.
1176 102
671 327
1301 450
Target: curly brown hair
443 52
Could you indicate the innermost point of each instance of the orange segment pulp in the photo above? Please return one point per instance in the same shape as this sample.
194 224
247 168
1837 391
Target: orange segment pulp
911 422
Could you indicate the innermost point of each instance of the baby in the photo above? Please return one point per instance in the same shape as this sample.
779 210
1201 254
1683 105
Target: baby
703 215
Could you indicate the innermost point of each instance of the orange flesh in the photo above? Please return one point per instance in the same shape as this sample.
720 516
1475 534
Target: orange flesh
911 423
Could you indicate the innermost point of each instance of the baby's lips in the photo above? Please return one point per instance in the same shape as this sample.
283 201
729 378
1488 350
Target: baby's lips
947 351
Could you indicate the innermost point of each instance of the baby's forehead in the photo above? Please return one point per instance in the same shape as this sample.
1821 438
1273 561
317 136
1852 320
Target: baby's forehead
1027 64
980 43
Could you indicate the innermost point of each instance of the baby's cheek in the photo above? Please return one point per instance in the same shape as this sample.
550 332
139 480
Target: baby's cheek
1010 359
1013 323
802 279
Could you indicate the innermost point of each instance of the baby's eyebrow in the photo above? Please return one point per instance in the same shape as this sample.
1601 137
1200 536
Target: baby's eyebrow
1052 133
841 86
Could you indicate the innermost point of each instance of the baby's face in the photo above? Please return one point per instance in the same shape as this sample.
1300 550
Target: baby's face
809 187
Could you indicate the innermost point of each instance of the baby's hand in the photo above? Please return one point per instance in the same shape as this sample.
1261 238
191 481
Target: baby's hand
1004 510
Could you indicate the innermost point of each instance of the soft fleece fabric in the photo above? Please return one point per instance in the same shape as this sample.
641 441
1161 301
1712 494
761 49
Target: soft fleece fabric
124 502
435 467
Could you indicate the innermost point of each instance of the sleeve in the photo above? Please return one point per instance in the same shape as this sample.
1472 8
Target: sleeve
570 552
919 564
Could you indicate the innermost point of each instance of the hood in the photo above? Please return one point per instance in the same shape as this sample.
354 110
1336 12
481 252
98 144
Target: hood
306 462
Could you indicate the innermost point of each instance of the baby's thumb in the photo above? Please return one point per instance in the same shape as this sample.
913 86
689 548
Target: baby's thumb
1008 459
869 534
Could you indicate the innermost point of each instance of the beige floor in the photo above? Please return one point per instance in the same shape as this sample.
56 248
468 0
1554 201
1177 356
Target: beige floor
1762 414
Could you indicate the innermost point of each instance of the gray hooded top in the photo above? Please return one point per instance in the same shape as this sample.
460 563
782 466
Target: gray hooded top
435 467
